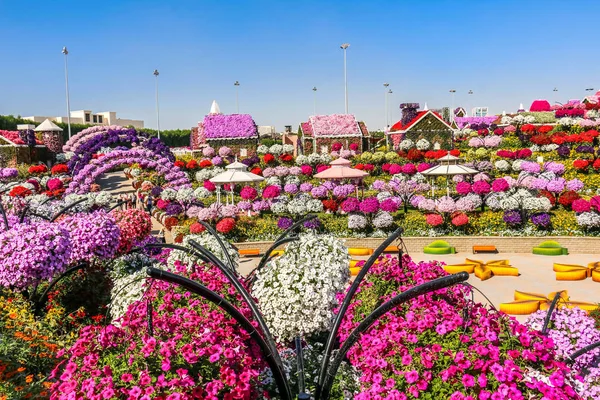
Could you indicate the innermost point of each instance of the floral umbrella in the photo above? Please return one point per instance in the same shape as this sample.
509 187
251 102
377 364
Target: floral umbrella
448 166
235 173
340 169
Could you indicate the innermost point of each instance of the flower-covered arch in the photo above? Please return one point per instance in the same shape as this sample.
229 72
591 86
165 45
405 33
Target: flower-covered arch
82 180
90 143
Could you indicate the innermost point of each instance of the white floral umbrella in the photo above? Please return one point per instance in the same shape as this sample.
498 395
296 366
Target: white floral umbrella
235 172
448 166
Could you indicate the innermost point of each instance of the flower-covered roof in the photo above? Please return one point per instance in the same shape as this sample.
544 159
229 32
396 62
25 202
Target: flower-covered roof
540 106
234 126
306 129
334 125
398 127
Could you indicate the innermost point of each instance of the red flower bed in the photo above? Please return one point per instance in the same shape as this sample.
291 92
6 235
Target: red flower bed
567 198
59 169
192 164
179 164
225 225
37 169
330 205
205 164
268 158
19 191
581 165
286 157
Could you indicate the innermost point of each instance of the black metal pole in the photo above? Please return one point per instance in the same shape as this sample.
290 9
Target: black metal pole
4 216
207 256
119 203
346 303
271 358
582 351
41 301
550 311
221 244
403 297
267 256
67 208
300 367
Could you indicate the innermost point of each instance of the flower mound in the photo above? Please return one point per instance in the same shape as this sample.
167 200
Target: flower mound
135 226
296 292
437 346
196 350
92 235
30 253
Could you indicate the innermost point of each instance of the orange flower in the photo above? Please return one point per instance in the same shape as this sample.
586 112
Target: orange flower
19 388
12 315
47 385
20 369
29 378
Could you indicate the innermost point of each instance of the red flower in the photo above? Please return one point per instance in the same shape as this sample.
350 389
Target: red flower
225 225
171 222
330 205
268 158
209 185
369 167
455 152
360 166
256 171
414 155
196 228
567 198
286 157
192 164
540 139
528 128
19 191
59 169
180 164
460 219
549 196
544 128
205 164
581 165
596 164
37 169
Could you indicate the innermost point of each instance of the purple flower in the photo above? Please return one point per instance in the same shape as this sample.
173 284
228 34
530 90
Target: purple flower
563 151
351 204
319 191
541 220
219 126
156 191
216 160
305 187
284 223
575 185
390 204
314 223
556 185
512 217
291 188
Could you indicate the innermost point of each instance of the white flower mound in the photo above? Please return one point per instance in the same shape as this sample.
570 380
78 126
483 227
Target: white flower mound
210 243
296 292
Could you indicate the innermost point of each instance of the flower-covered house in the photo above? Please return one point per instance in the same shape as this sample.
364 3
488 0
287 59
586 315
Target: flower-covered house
322 131
236 131
424 124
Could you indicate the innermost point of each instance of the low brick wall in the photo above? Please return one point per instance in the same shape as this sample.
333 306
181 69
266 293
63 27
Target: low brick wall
575 244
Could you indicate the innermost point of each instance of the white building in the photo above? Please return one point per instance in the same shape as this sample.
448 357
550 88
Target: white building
479 112
87 117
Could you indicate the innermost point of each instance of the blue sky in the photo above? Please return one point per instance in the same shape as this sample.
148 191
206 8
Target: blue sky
507 52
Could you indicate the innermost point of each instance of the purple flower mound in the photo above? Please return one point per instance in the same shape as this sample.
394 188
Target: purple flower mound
369 205
30 253
351 204
173 209
585 149
235 126
541 220
314 223
291 188
284 223
156 191
563 151
92 235
306 187
512 217
319 191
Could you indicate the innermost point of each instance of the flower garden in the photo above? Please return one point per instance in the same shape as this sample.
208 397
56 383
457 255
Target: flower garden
94 306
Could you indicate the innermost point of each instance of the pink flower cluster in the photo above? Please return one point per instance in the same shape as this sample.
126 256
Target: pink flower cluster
334 125
440 346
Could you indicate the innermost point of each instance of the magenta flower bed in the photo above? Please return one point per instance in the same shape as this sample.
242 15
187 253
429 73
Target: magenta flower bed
334 125
235 126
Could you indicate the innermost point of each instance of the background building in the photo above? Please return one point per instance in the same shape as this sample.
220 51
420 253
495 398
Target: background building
87 117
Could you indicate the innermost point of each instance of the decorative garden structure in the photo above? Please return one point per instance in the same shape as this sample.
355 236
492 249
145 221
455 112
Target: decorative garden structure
52 135
235 173
236 131
321 131
330 362
341 170
448 166
425 124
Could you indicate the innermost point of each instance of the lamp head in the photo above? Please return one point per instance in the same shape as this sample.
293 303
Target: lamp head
65 51
155 73
314 88
236 83
344 46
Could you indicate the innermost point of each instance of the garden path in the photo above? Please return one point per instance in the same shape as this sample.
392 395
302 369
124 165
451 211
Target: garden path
117 183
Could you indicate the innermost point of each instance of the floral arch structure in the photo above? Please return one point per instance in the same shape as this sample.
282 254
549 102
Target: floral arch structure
89 143
83 180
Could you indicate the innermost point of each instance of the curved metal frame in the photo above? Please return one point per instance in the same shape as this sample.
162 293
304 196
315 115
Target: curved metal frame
550 311
346 303
403 297
44 296
67 208
271 358
214 233
580 352
4 217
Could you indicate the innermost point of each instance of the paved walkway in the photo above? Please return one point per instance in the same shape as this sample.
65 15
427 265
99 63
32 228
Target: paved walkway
117 183
536 271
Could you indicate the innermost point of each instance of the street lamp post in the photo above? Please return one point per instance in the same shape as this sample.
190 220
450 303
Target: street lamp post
314 89
66 53
344 46
155 73
589 89
453 91
385 95
470 92
555 90
388 115
237 97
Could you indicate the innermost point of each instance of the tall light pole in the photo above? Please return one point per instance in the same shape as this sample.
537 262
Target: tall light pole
453 91
155 73
589 89
66 53
344 46
470 92
237 97
555 90
385 95
389 110
314 89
